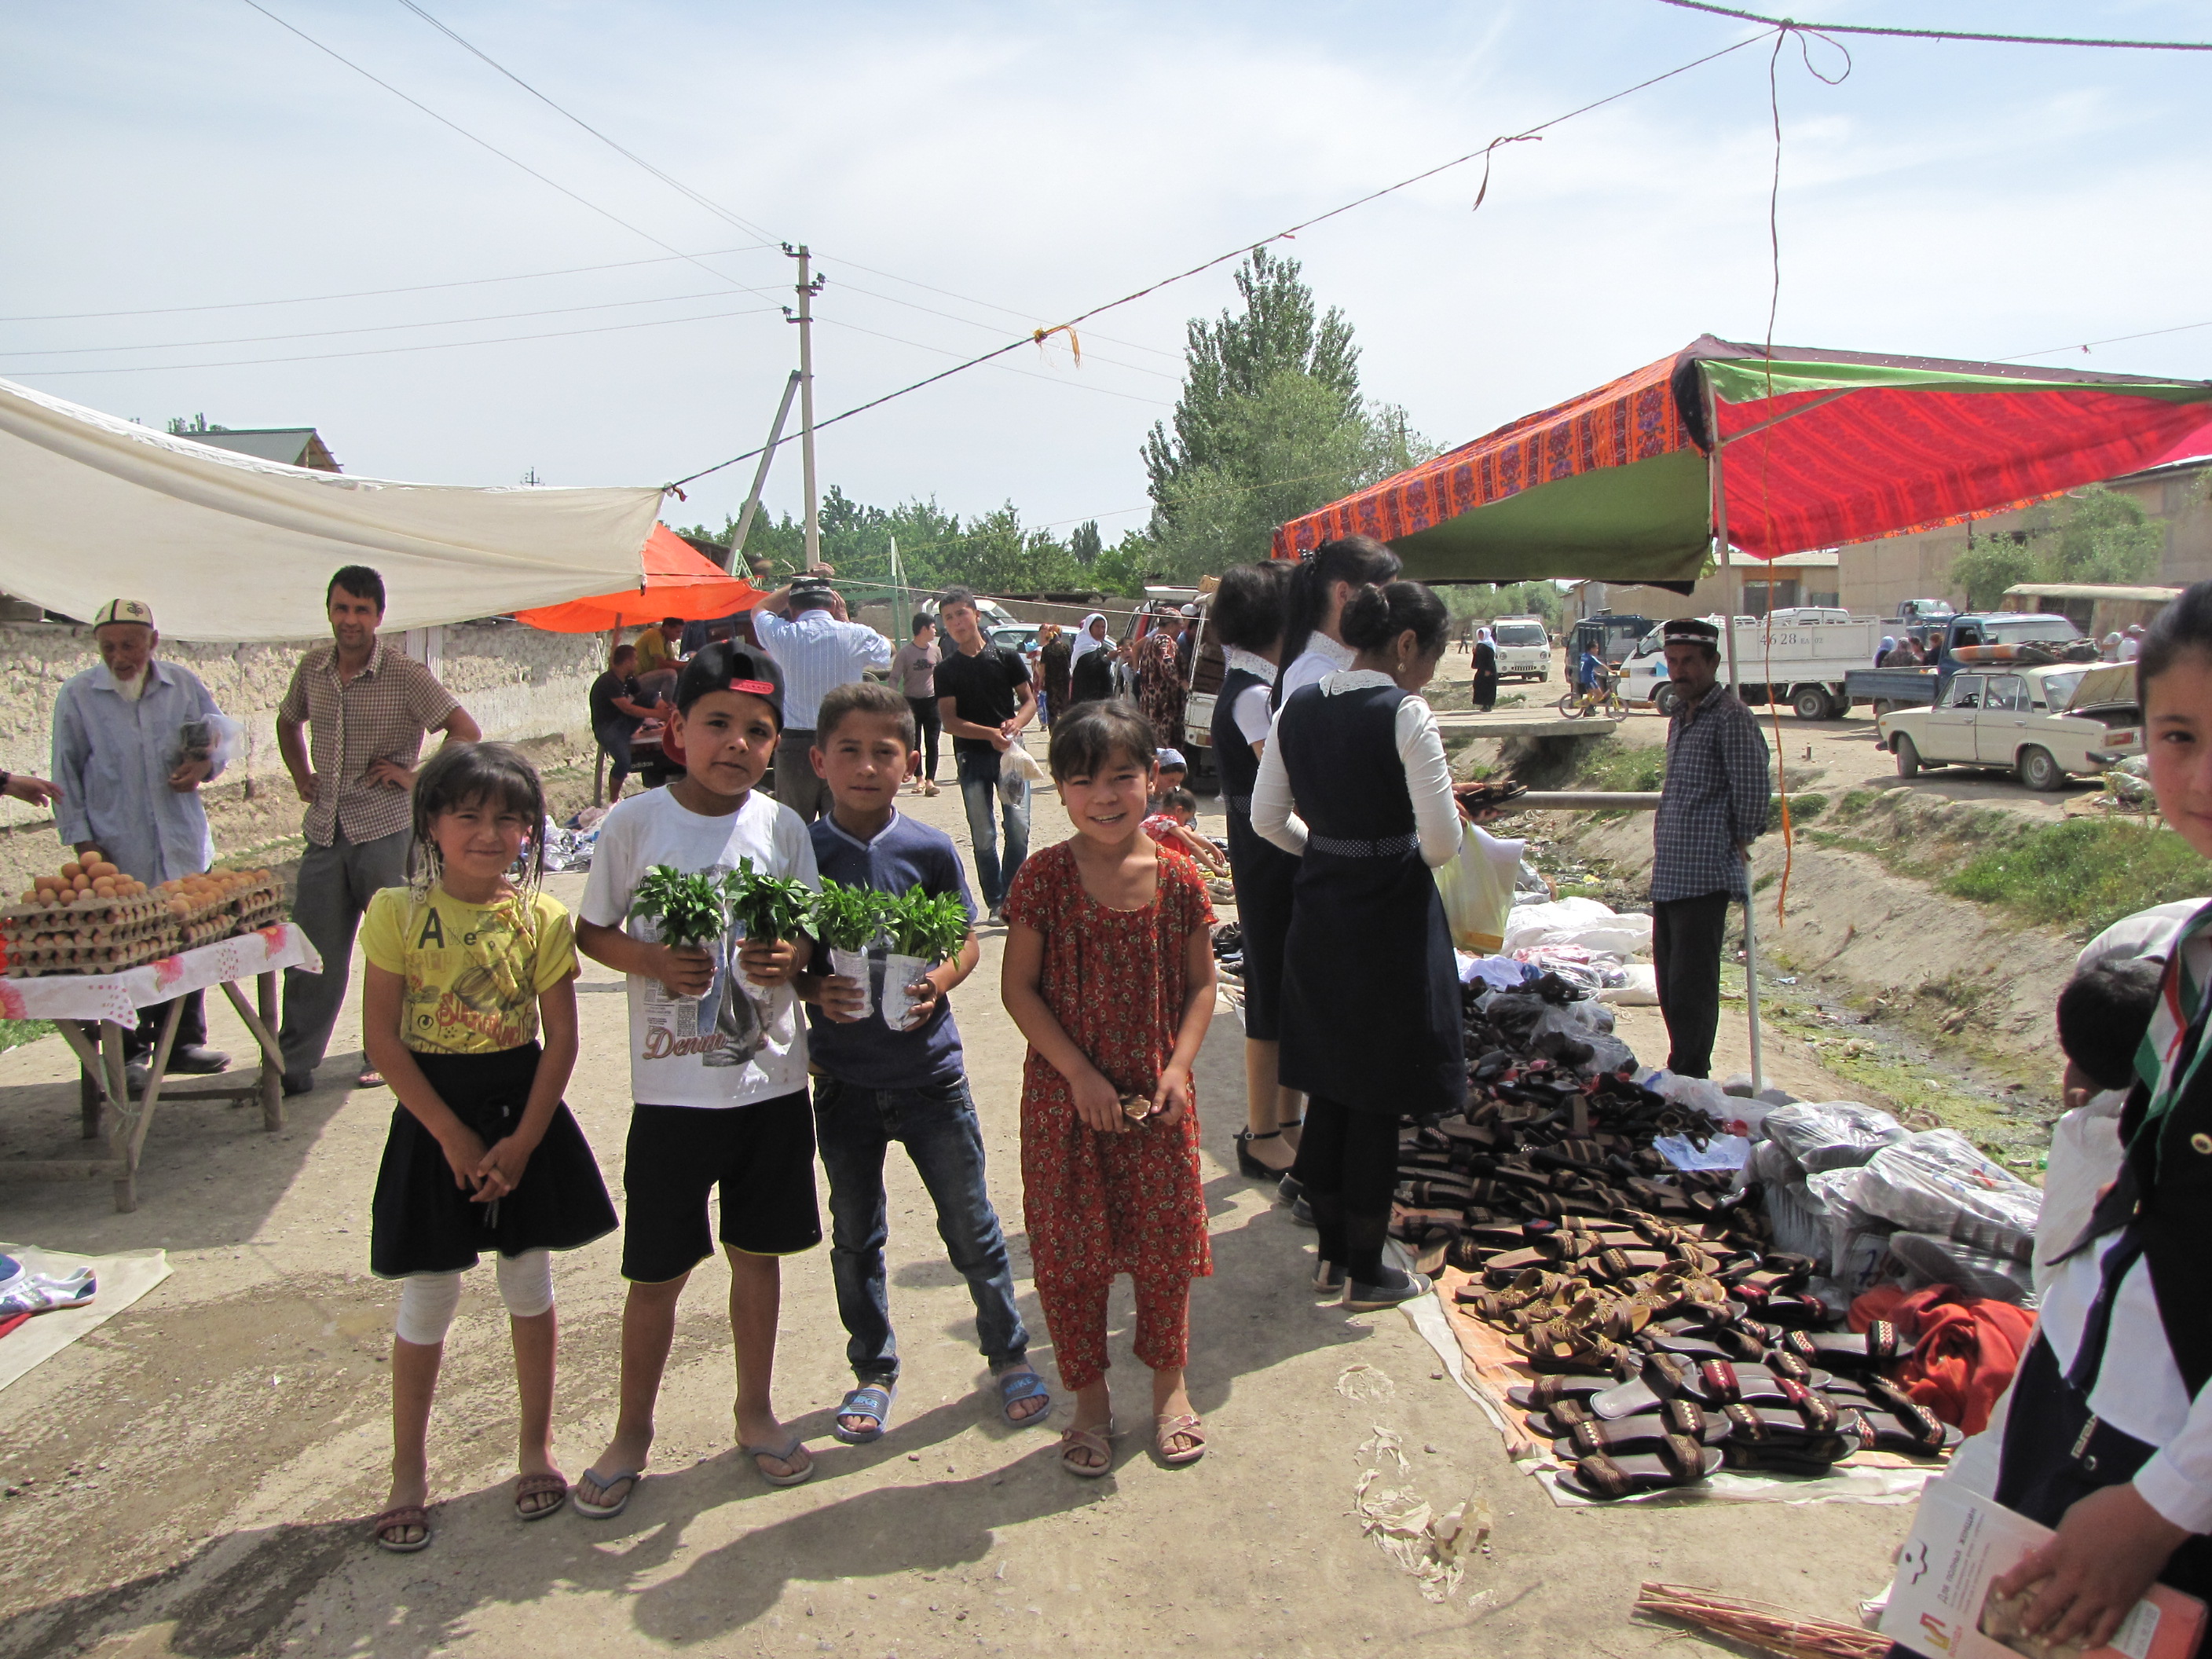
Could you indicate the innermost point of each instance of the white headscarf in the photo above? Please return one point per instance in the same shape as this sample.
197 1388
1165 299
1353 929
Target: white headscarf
1084 645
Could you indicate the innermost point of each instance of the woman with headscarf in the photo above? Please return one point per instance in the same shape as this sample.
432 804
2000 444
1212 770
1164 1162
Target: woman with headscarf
1881 652
1091 663
1162 692
1486 670
1054 661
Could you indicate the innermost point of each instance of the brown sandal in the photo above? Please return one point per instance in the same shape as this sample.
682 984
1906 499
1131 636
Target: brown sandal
1183 1426
536 1485
396 1519
1099 1443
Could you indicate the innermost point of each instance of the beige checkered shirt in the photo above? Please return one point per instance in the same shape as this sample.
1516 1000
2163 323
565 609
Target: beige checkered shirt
381 714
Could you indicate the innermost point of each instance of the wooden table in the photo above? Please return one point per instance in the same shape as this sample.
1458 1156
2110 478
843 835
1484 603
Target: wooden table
109 1002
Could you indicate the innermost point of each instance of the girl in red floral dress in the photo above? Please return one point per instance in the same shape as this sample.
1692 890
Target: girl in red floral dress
1109 973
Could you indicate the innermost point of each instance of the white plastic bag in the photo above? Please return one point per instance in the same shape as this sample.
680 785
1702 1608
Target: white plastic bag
854 965
1017 771
1833 1134
1477 889
1577 922
1937 1183
1639 988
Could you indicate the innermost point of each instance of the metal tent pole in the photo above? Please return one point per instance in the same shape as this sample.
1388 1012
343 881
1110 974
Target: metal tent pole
1731 598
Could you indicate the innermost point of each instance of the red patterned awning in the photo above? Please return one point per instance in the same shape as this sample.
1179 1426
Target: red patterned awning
1819 449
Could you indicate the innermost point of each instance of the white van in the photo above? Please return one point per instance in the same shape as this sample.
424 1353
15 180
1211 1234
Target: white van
1807 651
1524 649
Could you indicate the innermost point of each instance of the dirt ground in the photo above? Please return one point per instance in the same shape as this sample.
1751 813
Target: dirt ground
192 1478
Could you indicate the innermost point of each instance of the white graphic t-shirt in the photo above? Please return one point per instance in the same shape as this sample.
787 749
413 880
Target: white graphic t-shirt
740 1043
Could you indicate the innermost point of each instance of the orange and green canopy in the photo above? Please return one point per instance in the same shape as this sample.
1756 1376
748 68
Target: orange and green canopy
1817 449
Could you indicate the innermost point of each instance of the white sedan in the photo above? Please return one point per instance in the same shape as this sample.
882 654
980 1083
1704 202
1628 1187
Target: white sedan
2041 723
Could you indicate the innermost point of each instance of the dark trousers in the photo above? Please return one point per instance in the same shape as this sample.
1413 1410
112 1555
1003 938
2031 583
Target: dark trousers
1686 956
1348 1164
925 728
335 886
796 784
192 1026
936 1123
614 738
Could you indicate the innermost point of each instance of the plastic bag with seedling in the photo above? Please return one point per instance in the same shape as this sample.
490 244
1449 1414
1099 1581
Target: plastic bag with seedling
756 906
924 930
849 920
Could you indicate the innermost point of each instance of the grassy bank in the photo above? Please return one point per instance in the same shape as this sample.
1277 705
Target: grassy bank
14 1033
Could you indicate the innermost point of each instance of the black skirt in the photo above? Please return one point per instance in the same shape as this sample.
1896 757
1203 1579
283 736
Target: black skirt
421 1222
1264 875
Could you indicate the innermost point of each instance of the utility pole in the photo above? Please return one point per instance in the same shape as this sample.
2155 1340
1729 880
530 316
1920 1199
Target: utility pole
760 473
809 286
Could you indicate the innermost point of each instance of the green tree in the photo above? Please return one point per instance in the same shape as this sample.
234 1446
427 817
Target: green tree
2108 538
1085 544
1991 565
1270 425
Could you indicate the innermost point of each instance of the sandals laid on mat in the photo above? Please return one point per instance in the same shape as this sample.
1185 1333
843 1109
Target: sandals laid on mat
1914 1430
1877 1345
1677 1462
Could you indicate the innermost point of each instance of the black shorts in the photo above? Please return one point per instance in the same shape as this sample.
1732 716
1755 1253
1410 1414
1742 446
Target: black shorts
762 1156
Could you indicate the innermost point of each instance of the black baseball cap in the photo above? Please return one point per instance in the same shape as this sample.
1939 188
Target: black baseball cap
730 667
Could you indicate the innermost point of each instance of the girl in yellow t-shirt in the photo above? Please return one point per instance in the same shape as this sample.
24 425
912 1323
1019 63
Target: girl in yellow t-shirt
464 968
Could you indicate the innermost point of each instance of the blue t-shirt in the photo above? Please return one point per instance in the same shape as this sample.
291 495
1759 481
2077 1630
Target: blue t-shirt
868 1054
1589 670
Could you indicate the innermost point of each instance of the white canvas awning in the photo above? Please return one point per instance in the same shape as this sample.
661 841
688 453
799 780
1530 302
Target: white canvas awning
226 547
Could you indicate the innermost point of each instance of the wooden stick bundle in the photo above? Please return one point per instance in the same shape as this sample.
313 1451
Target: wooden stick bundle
1777 1630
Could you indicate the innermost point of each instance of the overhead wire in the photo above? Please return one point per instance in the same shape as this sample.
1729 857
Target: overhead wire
1940 34
388 351
1038 335
2116 339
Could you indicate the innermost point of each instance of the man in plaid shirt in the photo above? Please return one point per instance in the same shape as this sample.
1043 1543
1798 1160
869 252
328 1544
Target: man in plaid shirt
1711 807
368 705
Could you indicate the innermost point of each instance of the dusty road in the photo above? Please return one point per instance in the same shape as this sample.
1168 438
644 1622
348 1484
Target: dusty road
192 1479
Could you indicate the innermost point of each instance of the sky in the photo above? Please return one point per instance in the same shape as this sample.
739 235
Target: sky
965 173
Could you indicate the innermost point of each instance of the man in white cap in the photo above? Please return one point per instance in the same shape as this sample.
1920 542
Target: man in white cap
134 739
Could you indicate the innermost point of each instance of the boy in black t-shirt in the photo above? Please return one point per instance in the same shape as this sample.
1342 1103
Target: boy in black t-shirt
618 708
985 701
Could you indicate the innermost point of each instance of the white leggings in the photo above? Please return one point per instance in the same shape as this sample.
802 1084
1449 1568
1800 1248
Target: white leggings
426 1301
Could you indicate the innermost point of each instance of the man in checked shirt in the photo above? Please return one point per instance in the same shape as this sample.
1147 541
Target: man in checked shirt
1711 807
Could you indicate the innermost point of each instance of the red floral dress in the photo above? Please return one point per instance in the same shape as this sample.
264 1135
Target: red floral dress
1160 692
1097 1203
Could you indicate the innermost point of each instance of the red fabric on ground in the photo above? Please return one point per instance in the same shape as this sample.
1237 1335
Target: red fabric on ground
1965 1347
11 1320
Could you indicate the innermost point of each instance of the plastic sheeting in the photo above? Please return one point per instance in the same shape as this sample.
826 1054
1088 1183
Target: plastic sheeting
225 546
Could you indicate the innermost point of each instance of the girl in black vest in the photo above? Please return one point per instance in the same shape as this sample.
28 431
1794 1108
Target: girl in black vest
1355 781
2108 1430
1247 618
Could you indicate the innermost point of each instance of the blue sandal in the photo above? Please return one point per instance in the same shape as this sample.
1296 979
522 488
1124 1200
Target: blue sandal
1015 1387
872 1400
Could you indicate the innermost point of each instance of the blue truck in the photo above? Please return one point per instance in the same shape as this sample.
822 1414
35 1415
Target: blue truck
2026 639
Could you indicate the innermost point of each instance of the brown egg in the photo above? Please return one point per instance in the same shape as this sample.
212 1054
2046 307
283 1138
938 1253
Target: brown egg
71 870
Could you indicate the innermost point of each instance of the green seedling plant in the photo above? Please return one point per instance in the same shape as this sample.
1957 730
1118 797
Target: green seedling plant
691 909
932 929
848 918
770 907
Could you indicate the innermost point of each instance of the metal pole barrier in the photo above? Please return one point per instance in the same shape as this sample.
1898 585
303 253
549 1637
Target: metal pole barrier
1716 477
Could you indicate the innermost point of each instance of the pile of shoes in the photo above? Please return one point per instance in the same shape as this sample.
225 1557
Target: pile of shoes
1229 950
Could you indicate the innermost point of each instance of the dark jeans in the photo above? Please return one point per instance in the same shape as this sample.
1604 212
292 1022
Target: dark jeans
1685 956
853 1127
979 793
614 738
191 1027
1347 1163
796 784
926 725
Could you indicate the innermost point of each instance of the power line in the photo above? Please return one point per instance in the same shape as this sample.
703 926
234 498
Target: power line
376 293
487 144
2083 345
1239 252
386 351
1080 385
673 183
967 298
844 286
376 328
1939 35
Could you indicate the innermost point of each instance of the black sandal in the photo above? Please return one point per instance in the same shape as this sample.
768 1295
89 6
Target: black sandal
1678 1462
1250 1167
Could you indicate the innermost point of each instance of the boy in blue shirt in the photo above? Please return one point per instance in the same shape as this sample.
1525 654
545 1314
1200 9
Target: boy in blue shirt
878 1084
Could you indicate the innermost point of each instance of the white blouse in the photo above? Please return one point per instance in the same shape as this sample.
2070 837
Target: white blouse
1251 711
1428 776
1322 656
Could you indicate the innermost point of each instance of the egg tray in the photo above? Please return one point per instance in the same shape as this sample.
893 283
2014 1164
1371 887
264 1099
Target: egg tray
267 913
194 934
34 960
89 911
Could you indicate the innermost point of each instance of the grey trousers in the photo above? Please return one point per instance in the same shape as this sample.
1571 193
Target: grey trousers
796 784
335 884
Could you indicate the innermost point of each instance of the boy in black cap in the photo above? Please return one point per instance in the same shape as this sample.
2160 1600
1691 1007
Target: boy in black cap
1711 807
718 1065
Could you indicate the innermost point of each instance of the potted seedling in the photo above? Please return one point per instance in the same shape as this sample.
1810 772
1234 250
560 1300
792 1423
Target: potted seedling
848 919
692 909
923 931
760 908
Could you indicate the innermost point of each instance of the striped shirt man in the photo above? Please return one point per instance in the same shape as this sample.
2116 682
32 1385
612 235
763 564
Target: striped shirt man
818 654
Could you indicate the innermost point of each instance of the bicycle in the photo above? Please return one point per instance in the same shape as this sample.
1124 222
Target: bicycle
1582 702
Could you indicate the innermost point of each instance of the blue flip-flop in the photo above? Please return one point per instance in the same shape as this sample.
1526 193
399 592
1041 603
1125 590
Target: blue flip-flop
606 1511
1016 1386
783 1454
872 1400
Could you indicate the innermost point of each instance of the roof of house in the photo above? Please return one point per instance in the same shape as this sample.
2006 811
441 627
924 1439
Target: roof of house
294 445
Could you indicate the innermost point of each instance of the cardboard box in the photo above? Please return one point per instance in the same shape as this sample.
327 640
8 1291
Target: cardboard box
1940 1603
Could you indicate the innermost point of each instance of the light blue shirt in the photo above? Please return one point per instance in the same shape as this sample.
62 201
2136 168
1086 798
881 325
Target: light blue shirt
112 758
818 654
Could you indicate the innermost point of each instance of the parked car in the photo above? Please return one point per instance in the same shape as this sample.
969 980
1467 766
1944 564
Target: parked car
1524 648
2043 724
1022 637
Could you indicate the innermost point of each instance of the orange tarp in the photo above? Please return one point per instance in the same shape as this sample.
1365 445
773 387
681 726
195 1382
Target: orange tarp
675 580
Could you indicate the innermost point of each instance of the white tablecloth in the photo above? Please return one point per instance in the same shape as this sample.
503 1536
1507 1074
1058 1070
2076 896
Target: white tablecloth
116 997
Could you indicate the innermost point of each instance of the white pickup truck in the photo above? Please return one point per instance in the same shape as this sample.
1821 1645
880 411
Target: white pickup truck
1797 656
1524 648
